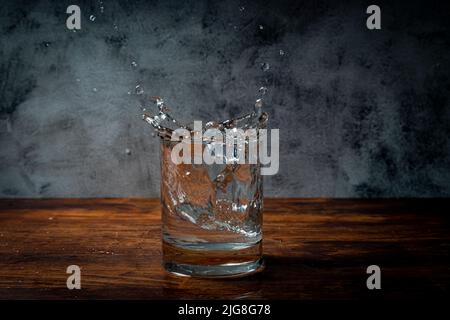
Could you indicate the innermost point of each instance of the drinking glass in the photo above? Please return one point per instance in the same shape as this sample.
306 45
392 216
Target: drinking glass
211 217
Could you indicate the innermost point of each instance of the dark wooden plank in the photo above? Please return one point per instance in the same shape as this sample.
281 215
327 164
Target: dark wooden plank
314 248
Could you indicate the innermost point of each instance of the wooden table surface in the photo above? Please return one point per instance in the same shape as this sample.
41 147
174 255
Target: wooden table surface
314 249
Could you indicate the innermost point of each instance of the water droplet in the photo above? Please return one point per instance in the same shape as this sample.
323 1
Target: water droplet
159 103
78 80
259 103
261 27
47 44
129 92
263 90
265 66
94 89
188 173
133 63
127 151
241 9
50 218
138 90
282 52
92 17
115 27
102 9
211 124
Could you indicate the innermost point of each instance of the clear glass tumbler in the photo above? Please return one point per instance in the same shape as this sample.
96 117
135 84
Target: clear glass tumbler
211 217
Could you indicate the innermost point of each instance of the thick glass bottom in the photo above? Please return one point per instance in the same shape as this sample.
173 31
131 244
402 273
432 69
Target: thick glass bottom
213 260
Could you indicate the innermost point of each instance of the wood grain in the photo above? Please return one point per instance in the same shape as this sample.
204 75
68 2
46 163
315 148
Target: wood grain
314 249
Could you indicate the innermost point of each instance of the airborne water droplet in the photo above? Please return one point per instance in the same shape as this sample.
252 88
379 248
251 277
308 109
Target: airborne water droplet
261 27
94 89
92 17
263 90
133 63
282 52
241 9
127 151
265 66
138 90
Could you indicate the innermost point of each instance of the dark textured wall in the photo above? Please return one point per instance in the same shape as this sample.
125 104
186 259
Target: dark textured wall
362 113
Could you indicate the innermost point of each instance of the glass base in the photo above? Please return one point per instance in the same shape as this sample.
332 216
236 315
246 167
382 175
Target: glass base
217 271
236 260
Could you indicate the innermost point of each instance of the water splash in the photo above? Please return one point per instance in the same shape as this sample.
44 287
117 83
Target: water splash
92 17
164 123
221 197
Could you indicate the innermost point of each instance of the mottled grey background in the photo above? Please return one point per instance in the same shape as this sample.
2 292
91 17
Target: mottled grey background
362 113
